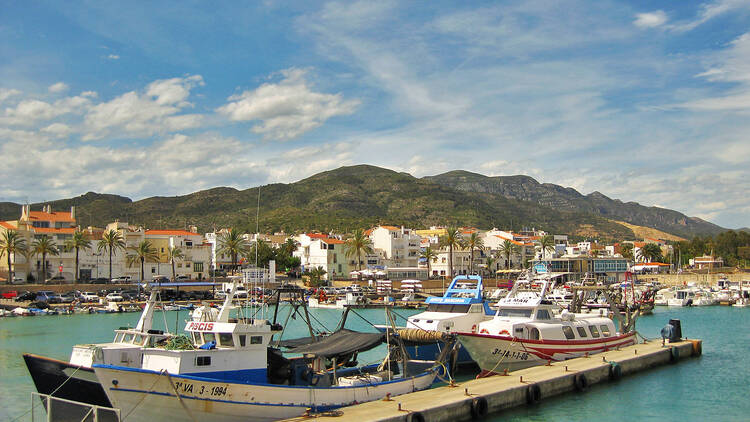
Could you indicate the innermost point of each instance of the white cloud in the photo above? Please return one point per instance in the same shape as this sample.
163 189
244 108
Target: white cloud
710 11
113 57
286 109
7 93
58 87
650 20
58 129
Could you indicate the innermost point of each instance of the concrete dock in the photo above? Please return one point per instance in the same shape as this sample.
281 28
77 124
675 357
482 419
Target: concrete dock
472 400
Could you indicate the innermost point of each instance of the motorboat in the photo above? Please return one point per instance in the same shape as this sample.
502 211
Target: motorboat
682 297
351 298
226 369
525 331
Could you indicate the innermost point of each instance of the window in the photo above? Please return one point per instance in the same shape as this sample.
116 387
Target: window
594 331
331 247
242 340
187 265
542 314
568 332
582 332
605 330
209 337
446 307
198 267
256 339
510 312
203 361
153 270
225 339
534 334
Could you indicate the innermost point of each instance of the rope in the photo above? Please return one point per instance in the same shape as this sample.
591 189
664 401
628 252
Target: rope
179 342
150 389
502 358
179 397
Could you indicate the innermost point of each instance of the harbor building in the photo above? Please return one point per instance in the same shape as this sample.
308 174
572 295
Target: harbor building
575 268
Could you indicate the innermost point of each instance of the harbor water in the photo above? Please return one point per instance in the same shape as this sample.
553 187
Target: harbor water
713 386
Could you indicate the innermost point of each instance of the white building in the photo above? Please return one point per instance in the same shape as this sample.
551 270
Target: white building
400 246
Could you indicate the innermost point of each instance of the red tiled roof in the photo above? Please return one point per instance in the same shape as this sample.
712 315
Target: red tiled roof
170 233
317 236
7 225
332 241
391 228
53 216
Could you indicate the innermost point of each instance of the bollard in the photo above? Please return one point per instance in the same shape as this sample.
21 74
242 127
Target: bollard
549 362
505 372
521 378
399 407
566 368
387 397
466 392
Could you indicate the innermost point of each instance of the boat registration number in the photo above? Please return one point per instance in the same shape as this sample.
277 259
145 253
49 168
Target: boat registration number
512 355
200 390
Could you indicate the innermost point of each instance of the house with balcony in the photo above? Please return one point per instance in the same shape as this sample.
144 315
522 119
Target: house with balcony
196 253
326 252
399 246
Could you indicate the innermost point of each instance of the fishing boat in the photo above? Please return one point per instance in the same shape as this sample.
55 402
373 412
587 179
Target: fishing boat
525 331
682 297
227 370
75 380
352 298
461 308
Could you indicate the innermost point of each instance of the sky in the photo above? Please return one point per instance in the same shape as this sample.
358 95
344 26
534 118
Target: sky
645 101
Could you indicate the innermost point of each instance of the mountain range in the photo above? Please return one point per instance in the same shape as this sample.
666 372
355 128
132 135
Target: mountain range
361 196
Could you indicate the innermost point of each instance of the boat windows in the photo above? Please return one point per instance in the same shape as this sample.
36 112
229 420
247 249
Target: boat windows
444 307
543 314
256 339
242 340
511 312
128 338
196 338
207 337
605 330
203 361
226 340
568 332
594 331
534 334
138 339
581 332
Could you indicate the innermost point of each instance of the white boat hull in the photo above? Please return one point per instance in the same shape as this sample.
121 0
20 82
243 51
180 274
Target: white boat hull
495 354
148 396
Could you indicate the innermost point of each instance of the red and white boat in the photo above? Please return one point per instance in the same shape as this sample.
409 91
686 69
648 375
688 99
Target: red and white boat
526 331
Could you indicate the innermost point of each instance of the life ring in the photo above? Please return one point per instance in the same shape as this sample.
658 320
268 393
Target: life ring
415 417
533 394
504 332
615 371
581 383
483 331
474 328
479 408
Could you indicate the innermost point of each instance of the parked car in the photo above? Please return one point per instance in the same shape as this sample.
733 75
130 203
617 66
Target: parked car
89 297
99 280
55 279
27 295
182 278
121 279
10 294
114 297
18 280
48 296
68 297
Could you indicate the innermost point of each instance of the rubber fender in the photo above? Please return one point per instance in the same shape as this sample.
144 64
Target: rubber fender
674 354
533 394
697 347
415 417
581 383
479 408
615 371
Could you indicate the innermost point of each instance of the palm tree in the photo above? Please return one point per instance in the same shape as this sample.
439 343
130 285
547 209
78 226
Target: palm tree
357 245
429 254
491 262
547 243
507 248
451 239
78 241
111 241
232 243
174 254
289 246
11 243
474 241
45 246
145 251
316 276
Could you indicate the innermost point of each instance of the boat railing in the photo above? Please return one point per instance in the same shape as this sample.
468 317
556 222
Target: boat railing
47 408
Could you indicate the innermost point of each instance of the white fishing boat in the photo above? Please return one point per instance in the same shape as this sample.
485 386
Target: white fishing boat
351 298
682 297
225 370
525 332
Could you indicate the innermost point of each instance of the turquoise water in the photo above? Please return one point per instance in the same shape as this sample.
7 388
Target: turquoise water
713 387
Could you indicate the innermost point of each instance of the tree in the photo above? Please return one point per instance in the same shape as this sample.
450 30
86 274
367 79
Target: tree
45 246
11 243
111 241
474 241
428 254
626 249
79 241
316 276
547 243
452 239
491 263
145 251
174 254
507 248
263 251
651 252
358 245
232 243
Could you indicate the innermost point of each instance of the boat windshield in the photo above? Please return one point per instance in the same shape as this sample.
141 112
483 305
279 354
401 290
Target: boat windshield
442 307
514 312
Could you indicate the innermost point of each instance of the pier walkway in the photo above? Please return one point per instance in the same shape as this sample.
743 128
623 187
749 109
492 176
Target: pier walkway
474 399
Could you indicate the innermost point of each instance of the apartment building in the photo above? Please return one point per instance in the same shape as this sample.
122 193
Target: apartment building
399 246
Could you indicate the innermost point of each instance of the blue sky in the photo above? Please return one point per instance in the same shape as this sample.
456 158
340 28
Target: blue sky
643 101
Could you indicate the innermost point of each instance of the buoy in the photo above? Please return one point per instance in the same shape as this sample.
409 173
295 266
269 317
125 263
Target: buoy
479 408
415 417
533 394
615 371
581 383
697 347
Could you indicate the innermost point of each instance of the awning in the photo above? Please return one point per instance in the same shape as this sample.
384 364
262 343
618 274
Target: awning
342 342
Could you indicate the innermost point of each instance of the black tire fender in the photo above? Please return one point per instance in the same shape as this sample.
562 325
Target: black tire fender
615 371
479 408
533 394
415 417
581 382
